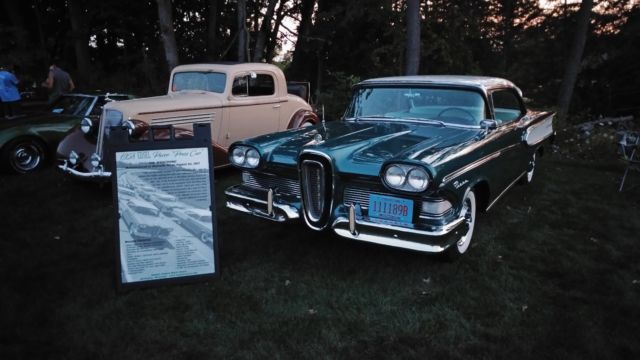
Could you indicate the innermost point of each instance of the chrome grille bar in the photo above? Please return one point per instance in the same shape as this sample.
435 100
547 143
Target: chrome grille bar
268 181
314 195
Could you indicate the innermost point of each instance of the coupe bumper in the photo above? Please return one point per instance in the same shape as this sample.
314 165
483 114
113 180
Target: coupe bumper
346 223
98 176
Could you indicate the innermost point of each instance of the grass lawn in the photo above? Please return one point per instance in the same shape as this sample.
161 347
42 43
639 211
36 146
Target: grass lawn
553 273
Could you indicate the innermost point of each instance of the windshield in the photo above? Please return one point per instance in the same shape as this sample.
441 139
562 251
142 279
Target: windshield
71 105
196 80
450 106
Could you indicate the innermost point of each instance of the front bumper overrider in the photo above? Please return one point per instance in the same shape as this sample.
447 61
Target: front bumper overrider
348 221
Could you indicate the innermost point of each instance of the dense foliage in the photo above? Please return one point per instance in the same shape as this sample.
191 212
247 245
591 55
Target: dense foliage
117 44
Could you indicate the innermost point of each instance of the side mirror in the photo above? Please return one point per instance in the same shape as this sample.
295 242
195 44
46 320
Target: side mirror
488 125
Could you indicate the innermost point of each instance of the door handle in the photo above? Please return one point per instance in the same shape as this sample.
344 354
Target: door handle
276 106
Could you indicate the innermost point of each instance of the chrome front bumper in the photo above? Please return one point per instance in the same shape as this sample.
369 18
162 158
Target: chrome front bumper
349 222
99 176
262 203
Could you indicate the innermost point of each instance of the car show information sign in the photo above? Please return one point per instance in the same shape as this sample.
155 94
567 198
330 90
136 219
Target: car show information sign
163 191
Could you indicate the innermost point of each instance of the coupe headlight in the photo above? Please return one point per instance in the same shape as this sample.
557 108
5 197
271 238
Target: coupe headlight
406 177
85 125
73 157
95 160
245 157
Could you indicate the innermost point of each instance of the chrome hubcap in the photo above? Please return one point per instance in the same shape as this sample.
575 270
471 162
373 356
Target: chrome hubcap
468 211
26 157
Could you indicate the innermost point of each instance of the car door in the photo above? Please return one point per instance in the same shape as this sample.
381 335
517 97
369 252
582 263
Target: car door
253 108
508 111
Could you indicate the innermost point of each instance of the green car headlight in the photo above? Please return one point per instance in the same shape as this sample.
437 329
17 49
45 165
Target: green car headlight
245 157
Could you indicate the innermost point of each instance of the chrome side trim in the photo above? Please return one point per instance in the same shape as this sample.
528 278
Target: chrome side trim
470 167
505 190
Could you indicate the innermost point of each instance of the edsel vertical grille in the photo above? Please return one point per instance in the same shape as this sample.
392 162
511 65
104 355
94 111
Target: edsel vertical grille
313 177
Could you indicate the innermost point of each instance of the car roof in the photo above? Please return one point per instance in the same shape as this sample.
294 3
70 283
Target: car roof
483 83
226 67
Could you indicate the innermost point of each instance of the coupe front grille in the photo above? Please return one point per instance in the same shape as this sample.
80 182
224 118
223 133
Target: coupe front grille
314 188
267 181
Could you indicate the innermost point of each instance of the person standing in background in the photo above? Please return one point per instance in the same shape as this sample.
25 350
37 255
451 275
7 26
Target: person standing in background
9 94
58 82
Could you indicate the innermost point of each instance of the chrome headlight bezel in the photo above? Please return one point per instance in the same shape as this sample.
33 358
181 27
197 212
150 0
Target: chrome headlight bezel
95 160
406 177
86 125
243 156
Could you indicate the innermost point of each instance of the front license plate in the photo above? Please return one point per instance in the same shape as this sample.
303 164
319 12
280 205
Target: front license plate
390 208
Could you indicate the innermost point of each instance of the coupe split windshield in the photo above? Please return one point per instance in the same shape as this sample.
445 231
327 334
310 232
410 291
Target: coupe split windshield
202 81
449 106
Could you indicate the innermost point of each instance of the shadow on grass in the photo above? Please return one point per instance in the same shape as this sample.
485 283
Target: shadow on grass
552 273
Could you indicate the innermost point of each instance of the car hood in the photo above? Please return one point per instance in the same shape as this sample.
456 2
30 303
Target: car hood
362 147
187 100
31 119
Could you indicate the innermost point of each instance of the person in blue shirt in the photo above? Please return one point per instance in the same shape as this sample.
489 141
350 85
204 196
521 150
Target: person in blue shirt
9 94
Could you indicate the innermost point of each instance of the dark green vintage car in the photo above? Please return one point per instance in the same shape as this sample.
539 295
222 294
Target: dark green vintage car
409 165
28 141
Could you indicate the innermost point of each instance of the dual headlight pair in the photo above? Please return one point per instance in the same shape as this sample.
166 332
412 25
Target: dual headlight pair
245 156
406 177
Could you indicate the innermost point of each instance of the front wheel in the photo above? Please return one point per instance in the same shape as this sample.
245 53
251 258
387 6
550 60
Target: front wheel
469 213
25 155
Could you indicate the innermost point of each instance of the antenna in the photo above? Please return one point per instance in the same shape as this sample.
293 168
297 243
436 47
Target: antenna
323 116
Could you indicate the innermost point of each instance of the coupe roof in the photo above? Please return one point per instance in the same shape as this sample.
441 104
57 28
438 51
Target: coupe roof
483 83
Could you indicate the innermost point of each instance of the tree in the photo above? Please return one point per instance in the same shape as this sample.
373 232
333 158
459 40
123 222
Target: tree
212 30
572 67
242 30
265 30
412 63
165 20
80 35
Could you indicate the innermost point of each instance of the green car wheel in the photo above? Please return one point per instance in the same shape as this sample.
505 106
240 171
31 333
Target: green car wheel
25 155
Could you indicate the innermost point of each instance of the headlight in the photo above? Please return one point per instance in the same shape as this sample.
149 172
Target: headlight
95 160
238 156
130 126
73 157
85 125
418 179
406 177
253 158
395 176
245 157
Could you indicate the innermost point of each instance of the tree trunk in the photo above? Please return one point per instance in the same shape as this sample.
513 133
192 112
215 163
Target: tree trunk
165 20
80 35
242 30
273 35
412 63
301 52
212 30
572 67
265 30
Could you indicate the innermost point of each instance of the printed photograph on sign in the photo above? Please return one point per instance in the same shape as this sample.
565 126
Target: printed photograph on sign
165 221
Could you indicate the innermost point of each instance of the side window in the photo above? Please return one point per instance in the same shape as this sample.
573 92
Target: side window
260 85
506 106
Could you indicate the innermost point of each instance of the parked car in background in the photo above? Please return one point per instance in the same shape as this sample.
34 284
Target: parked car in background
409 165
28 141
238 100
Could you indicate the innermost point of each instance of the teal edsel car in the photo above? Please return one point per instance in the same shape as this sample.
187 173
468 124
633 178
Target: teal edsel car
410 164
